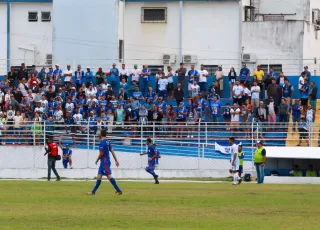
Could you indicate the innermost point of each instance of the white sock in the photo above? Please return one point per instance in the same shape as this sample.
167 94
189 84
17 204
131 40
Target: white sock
234 178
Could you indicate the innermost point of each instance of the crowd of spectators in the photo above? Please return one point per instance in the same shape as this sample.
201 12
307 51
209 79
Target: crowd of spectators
84 101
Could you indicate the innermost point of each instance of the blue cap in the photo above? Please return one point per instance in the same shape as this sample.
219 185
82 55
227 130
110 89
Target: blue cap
244 64
260 142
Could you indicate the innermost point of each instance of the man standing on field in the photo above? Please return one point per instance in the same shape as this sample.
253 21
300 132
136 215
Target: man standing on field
259 159
234 160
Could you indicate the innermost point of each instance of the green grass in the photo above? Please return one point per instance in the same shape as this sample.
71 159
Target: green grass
64 205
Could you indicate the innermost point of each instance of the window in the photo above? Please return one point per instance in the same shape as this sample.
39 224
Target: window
45 16
277 68
211 69
273 18
33 16
154 15
121 50
154 69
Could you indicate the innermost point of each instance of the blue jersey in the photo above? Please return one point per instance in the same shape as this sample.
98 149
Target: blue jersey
244 73
215 108
181 113
151 95
203 103
194 73
105 147
306 93
137 95
114 72
146 78
296 110
287 89
151 153
66 151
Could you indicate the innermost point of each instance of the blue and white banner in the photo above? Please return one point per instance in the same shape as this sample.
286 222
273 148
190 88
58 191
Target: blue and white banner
224 147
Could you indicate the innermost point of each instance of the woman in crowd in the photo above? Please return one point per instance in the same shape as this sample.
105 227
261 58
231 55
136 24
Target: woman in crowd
191 120
36 130
245 114
181 119
170 119
232 79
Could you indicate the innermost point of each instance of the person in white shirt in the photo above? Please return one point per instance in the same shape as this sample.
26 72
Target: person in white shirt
77 119
237 93
234 160
301 81
92 100
219 79
195 88
69 106
2 99
135 73
255 93
235 117
23 87
67 74
203 75
91 90
105 85
169 75
18 126
58 115
163 84
123 73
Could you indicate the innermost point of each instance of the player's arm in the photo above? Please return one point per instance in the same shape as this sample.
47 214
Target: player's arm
99 157
264 154
234 158
114 157
142 154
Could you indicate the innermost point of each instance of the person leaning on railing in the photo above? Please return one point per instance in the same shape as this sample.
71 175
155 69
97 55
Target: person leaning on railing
37 130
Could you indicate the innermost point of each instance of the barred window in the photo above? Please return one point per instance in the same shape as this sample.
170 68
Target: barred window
154 15
211 69
277 68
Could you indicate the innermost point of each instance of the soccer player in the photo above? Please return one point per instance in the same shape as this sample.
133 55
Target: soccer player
105 163
66 156
234 160
152 155
241 159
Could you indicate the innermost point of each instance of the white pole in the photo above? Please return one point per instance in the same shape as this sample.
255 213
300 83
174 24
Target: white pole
180 30
240 33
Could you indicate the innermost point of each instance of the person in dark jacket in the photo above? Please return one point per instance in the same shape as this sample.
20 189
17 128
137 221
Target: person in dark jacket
232 79
181 75
178 93
274 92
313 96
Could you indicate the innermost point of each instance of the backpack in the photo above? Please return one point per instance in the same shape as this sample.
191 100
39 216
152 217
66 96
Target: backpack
247 177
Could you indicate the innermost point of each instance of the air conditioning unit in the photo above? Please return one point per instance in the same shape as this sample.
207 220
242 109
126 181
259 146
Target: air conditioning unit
169 59
189 59
249 58
315 15
317 27
49 59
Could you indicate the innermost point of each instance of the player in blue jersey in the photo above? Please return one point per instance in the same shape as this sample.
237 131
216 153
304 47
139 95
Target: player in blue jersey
105 163
152 155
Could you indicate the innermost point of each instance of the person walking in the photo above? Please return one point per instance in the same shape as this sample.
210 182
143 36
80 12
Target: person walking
259 159
52 152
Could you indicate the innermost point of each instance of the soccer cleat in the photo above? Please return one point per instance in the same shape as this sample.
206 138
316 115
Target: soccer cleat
90 193
239 181
118 193
156 180
58 179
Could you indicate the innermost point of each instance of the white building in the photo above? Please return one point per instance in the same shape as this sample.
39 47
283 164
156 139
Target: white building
210 30
283 34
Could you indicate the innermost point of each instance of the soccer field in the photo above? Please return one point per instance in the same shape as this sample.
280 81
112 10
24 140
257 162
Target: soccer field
64 205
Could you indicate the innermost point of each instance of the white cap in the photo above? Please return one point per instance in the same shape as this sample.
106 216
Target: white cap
57 65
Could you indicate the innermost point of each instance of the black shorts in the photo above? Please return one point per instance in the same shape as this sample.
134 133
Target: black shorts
170 87
240 170
304 101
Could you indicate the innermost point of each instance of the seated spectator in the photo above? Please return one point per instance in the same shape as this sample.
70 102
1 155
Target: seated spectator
179 94
100 76
181 119
215 110
296 172
249 106
191 120
133 120
163 85
237 93
92 90
23 87
262 112
311 172
123 94
151 94
109 93
227 114
105 85
161 104
303 131
120 115
143 115
214 89
137 94
89 77
195 89
272 111
2 128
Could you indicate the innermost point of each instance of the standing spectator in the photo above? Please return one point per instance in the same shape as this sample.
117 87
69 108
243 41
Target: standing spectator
181 119
145 73
281 79
12 77
258 75
181 75
88 76
214 89
179 93
193 75
135 73
151 95
287 91
57 73
195 88
237 93
119 113
296 114
304 95
33 71
246 93
272 73
169 75
261 112
67 75
306 72
301 81
219 79
100 76
42 76
245 115
23 87
272 91
255 91
283 111
313 95
303 131
143 115
158 77
114 76
191 120
79 74
163 85
267 82
14 103
215 110
227 114
36 130
124 73
272 118
259 161
235 117
2 100
232 79
137 94
203 75
244 74
50 74
23 73
18 125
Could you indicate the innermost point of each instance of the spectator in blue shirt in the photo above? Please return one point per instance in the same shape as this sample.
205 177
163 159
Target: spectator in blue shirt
304 95
79 75
272 73
42 76
137 94
50 74
151 95
92 123
296 114
306 72
57 73
193 75
244 74
215 109
88 76
114 76
145 74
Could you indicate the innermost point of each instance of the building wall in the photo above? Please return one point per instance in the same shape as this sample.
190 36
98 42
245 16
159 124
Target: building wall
3 38
275 42
85 32
210 32
311 42
35 36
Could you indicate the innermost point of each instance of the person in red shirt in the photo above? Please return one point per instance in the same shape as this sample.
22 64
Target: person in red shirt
52 151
